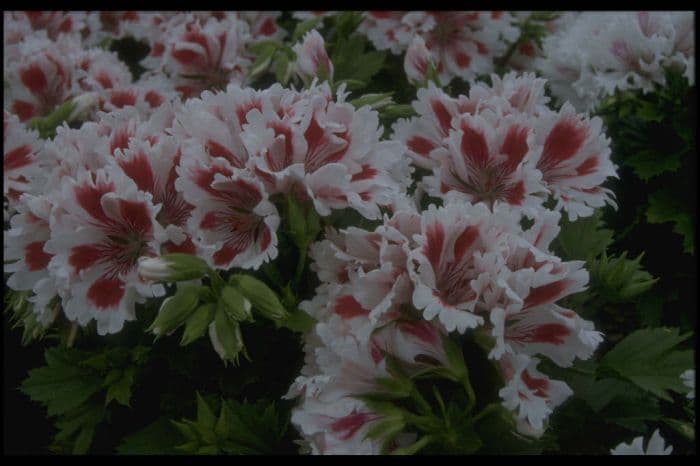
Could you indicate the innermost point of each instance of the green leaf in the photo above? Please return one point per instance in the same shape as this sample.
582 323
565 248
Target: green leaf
78 427
583 239
649 359
351 62
686 429
158 438
120 390
496 429
618 279
305 26
205 416
61 385
664 207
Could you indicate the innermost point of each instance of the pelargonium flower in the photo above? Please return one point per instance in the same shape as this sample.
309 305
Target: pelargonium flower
232 220
529 391
392 30
103 226
629 50
25 258
24 164
574 160
263 24
42 78
203 54
417 61
54 23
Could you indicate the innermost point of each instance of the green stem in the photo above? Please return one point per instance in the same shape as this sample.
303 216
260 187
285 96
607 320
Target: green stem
217 283
301 264
486 411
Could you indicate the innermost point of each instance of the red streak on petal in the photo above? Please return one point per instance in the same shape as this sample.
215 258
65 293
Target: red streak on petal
225 255
136 216
435 235
215 149
474 147
104 80
120 140
464 241
367 173
265 238
565 139
23 110
515 195
106 293
17 158
210 221
347 307
186 247
89 198
84 256
463 60
35 257
554 334
515 146
153 99
138 168
539 386
443 116
588 166
420 145
422 330
33 79
347 426
545 293
268 28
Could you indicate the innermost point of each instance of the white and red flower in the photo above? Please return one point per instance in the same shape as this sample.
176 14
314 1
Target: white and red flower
312 58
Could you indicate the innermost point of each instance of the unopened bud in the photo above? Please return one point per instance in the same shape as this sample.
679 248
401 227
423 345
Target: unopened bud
174 267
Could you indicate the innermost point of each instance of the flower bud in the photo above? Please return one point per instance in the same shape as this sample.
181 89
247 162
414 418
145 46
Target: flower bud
84 104
312 58
418 61
172 268
235 304
175 310
264 300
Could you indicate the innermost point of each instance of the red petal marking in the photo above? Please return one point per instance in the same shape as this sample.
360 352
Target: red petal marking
153 99
443 116
285 131
588 166
105 293
23 110
464 241
185 56
35 257
84 256
120 140
347 426
545 293
463 60
496 14
474 147
342 276
515 195
122 98
347 307
367 173
204 178
209 221
435 236
422 330
186 247
265 238
66 25
380 14
242 111
138 168
17 158
554 334
527 49
158 49
136 216
104 80
420 145
375 352
197 38
514 146
225 255
565 139
89 198
215 149
33 78
268 27
481 48
539 386
130 16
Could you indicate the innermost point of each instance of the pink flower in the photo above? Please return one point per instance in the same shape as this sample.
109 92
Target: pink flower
24 164
232 220
529 391
487 163
106 224
574 160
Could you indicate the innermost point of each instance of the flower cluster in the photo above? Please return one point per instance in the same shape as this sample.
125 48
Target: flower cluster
458 44
502 145
625 50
